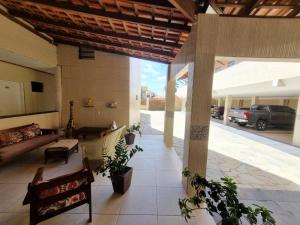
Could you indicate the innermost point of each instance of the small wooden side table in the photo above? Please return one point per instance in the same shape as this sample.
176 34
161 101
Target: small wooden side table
61 149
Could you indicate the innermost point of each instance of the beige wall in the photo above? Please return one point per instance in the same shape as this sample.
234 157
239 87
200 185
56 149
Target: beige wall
135 91
34 101
46 120
17 43
104 79
20 46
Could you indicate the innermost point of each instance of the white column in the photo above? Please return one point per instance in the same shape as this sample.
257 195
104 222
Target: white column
170 108
219 101
198 117
228 103
296 134
254 100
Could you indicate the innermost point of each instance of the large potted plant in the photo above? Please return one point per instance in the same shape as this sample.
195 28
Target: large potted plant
119 173
220 198
130 135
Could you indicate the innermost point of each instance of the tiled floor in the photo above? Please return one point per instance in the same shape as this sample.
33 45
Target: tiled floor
151 200
267 172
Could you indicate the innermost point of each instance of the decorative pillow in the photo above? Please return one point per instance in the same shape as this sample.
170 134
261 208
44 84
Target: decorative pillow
62 203
31 131
9 138
61 188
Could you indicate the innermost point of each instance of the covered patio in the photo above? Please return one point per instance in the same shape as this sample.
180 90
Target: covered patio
73 65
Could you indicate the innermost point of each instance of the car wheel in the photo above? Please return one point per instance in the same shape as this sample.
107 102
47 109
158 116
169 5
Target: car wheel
261 125
242 124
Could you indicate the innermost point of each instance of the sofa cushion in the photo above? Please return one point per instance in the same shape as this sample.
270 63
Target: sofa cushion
10 151
31 131
10 137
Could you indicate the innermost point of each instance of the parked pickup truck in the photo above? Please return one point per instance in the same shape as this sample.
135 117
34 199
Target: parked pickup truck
239 115
262 116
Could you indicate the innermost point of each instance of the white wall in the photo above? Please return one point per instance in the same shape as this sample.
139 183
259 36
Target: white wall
250 78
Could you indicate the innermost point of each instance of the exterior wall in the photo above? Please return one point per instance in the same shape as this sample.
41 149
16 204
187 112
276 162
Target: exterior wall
17 42
135 91
34 102
104 79
45 120
159 104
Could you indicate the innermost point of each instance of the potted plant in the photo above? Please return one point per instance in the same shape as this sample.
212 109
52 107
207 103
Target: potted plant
220 198
119 173
130 136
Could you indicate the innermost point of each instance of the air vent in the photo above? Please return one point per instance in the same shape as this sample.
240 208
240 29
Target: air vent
86 53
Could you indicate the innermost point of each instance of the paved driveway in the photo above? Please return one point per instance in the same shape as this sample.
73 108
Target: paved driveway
267 172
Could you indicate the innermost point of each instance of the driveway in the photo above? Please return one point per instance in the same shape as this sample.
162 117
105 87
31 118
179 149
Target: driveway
267 172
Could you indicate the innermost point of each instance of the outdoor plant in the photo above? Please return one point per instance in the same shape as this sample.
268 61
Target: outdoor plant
130 136
220 197
118 164
134 128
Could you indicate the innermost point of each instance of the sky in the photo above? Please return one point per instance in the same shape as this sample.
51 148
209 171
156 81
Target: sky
154 76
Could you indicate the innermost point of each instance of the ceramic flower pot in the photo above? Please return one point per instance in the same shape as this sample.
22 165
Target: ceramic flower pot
121 182
129 138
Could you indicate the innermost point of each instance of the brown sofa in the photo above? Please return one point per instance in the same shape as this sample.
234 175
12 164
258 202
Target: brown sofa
28 142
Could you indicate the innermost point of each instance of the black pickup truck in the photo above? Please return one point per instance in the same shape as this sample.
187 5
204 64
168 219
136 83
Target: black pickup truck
262 116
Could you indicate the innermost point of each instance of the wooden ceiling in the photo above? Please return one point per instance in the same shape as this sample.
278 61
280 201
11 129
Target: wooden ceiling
147 29
257 8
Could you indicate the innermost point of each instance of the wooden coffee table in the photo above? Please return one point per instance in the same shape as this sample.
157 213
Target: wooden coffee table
61 149
90 131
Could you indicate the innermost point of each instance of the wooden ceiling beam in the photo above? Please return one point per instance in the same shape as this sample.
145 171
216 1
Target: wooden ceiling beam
120 45
77 44
48 22
232 5
295 12
159 3
215 7
248 8
186 7
96 12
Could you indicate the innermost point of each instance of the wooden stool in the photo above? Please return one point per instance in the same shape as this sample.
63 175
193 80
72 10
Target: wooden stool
61 149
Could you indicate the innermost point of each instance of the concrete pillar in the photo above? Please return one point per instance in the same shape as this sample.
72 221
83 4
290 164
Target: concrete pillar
228 103
219 102
254 100
296 134
198 117
170 108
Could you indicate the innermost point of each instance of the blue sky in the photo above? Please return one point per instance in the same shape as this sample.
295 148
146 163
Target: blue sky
154 76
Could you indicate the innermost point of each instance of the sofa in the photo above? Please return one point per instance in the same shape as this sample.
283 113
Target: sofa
95 148
18 140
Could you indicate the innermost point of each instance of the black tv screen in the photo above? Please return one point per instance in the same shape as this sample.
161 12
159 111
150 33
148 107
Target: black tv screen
37 86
